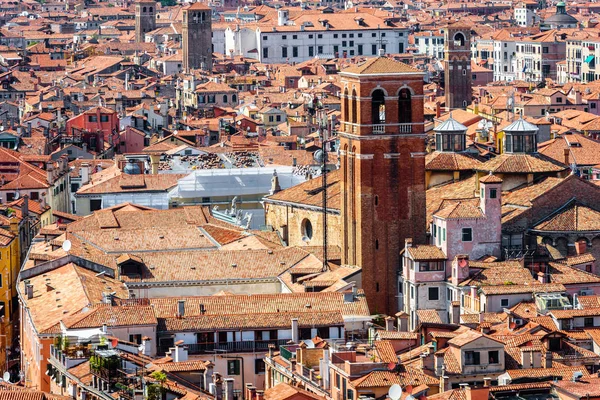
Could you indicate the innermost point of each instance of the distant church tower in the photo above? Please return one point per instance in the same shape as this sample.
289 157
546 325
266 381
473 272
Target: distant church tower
145 19
197 37
382 162
457 68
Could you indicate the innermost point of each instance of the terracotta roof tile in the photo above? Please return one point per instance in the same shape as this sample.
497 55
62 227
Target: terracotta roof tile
396 335
588 386
521 164
426 252
460 210
568 314
385 351
387 378
589 301
576 217
119 316
310 193
514 289
440 161
429 317
65 291
380 65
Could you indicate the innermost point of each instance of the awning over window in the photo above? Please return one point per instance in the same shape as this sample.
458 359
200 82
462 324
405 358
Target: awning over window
589 59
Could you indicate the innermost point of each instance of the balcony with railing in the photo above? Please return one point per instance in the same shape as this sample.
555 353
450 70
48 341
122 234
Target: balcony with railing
378 129
471 304
106 365
247 346
70 356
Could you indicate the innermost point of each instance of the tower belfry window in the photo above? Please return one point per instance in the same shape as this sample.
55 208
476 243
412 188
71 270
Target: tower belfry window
404 107
354 108
459 39
378 107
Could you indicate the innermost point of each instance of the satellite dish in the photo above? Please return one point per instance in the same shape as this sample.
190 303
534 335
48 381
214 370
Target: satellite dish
395 392
66 245
6 376
318 156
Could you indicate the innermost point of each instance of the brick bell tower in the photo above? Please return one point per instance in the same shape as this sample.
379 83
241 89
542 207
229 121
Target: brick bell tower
196 37
457 66
382 151
145 19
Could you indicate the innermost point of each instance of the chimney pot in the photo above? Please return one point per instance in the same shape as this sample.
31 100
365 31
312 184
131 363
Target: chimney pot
29 290
181 308
295 330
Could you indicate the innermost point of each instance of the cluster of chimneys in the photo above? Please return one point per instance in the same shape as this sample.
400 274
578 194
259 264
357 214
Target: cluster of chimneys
181 309
252 393
63 168
221 388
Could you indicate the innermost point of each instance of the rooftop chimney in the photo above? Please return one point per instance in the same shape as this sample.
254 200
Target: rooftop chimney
29 290
25 206
208 375
180 308
295 330
275 186
402 321
389 323
180 352
548 359
228 395
50 173
84 171
580 247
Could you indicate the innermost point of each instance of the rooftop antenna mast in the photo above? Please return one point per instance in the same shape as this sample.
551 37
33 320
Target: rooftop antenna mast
511 105
321 158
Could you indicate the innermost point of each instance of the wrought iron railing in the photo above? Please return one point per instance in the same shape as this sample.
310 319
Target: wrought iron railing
229 347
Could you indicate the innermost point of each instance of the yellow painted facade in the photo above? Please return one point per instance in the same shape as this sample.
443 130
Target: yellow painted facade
9 269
